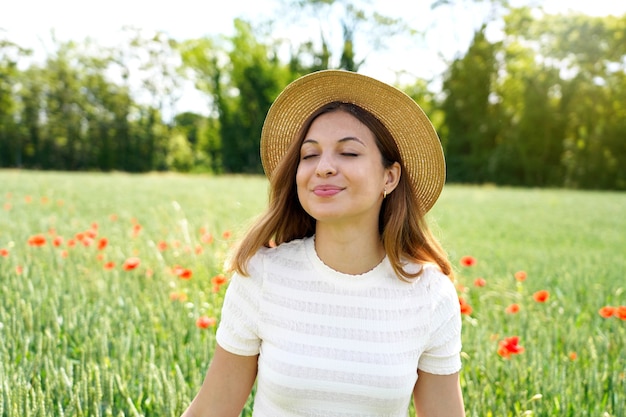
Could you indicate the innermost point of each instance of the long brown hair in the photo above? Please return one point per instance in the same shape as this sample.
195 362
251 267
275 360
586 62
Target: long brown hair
404 233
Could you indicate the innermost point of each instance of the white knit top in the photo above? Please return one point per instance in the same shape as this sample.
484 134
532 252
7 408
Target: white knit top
332 344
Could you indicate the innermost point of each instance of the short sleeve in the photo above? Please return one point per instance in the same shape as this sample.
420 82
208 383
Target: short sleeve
239 324
442 353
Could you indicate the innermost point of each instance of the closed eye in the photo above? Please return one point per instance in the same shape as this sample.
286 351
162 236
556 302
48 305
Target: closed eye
349 154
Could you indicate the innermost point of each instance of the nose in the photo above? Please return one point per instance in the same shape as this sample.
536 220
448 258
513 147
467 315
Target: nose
325 166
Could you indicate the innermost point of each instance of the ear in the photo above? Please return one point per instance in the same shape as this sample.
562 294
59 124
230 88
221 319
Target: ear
392 177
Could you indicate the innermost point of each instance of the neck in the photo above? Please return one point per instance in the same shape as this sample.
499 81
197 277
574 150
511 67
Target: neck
349 250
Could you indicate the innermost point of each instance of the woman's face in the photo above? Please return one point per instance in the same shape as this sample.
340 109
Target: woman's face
340 176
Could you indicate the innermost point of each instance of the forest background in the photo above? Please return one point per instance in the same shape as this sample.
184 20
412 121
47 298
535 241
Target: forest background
541 104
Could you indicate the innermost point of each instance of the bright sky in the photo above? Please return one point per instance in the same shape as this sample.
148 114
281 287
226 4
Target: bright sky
29 23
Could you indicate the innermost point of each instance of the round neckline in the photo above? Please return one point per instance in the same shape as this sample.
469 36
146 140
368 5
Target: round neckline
328 271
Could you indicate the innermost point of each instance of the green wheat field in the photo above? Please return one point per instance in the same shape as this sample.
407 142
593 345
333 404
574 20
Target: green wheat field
111 287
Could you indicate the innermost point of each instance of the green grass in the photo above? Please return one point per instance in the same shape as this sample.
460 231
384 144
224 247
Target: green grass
77 339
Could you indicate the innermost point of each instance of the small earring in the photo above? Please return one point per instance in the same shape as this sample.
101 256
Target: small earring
384 193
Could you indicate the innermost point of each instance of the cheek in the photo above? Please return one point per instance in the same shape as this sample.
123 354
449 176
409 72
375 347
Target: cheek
299 176
301 181
304 172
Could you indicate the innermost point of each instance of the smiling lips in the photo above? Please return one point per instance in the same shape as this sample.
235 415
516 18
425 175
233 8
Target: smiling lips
326 190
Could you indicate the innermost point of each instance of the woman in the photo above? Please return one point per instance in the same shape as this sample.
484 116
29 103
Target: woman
342 302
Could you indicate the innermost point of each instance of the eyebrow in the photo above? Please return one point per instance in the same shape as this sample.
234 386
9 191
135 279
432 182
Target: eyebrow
346 139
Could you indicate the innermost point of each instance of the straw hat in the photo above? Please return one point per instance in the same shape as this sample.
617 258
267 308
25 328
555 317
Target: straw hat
413 132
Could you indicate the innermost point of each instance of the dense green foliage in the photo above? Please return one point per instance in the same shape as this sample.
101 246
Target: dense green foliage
80 336
543 105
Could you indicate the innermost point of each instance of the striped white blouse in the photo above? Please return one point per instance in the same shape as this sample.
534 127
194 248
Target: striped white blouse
332 344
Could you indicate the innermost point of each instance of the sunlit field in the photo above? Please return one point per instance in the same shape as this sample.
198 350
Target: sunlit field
111 287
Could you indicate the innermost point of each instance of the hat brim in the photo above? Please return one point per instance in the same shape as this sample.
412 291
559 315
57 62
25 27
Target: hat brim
415 136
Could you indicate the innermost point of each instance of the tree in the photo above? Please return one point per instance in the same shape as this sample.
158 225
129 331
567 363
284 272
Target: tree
542 107
580 62
64 128
470 122
257 76
33 150
148 65
202 61
243 76
11 148
202 135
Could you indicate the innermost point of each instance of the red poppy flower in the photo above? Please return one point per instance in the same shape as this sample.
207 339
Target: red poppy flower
572 356
541 296
131 263
227 234
178 296
185 273
37 240
207 238
57 241
468 261
4 252
205 322
520 276
620 312
512 309
219 279
465 307
480 282
181 272
162 246
64 254
71 243
607 311
19 269
102 243
109 265
509 346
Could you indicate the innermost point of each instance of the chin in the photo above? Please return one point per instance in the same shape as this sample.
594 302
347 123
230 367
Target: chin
325 216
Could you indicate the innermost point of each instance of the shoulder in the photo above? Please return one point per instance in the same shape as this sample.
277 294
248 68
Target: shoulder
444 300
285 255
434 283
291 248
433 277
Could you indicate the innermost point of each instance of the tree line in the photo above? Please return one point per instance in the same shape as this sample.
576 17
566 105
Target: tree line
544 105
